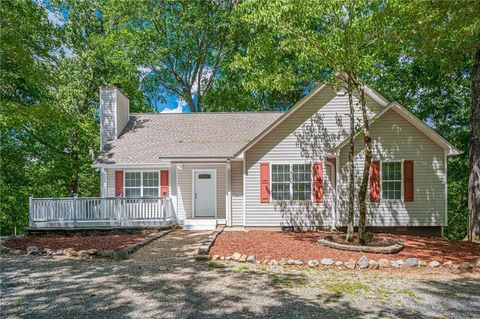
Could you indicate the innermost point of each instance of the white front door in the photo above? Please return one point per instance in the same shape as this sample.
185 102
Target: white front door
204 185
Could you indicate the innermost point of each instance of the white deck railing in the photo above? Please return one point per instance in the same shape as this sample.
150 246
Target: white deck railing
106 211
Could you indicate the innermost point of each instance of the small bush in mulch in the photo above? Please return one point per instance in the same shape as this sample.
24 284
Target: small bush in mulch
112 242
267 245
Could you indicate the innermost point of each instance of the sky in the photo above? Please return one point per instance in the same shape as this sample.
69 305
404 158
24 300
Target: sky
172 105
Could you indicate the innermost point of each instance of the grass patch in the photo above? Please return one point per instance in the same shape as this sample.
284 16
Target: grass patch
241 269
388 293
288 280
213 265
18 302
346 287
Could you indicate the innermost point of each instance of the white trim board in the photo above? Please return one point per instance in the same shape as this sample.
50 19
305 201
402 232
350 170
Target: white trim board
244 199
160 165
446 188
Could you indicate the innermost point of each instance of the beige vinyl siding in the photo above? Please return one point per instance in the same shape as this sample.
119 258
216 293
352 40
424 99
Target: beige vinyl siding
123 111
110 182
114 114
395 139
184 191
306 135
237 192
107 115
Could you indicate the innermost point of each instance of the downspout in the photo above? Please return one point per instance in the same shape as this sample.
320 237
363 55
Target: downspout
446 193
334 193
229 193
103 183
244 164
337 163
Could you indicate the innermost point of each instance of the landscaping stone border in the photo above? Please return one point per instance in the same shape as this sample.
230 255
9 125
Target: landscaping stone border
4 239
362 263
395 248
89 253
202 253
130 249
96 231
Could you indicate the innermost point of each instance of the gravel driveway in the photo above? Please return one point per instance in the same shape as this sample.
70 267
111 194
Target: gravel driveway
163 281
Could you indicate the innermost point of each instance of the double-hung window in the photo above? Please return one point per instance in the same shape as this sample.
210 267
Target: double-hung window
141 184
291 181
391 180
280 182
302 181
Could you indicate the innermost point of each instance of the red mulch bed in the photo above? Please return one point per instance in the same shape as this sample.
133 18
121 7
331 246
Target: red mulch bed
265 245
77 242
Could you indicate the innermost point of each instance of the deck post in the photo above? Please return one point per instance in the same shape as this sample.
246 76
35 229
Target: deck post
74 209
118 218
164 211
121 211
30 210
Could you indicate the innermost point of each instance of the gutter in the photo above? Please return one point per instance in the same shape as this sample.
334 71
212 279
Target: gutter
132 165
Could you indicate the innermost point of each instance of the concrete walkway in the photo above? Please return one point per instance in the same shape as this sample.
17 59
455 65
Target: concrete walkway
162 280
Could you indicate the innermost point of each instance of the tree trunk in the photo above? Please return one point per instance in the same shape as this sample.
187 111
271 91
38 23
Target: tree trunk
474 178
351 182
74 166
367 144
14 219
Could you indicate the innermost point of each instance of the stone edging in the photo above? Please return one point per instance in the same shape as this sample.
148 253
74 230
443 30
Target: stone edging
130 249
362 263
4 239
395 248
202 253
89 253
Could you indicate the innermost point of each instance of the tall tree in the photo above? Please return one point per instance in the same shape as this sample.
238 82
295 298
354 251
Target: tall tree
86 64
26 58
53 61
449 32
339 39
181 45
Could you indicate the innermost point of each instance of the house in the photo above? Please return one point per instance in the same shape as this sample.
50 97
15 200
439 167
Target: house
277 169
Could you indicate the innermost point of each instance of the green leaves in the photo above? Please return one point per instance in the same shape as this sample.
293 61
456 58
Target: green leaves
182 43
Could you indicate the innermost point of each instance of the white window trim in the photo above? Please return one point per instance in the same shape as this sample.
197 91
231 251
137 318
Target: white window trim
141 182
291 181
401 182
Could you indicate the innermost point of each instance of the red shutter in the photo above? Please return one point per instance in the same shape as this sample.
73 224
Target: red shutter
375 181
264 182
408 181
163 183
118 183
318 182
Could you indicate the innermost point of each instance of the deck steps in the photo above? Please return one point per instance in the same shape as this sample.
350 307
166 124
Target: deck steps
199 224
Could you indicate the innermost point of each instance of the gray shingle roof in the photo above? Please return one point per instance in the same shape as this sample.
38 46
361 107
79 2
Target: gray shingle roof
147 138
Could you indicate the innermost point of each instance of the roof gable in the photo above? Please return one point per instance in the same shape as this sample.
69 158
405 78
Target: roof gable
370 93
416 122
